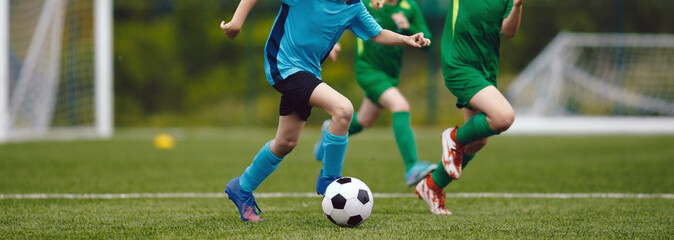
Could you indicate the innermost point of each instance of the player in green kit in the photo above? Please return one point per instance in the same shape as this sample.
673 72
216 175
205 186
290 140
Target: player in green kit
377 70
470 57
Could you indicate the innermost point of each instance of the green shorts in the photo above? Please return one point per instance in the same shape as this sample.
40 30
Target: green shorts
373 81
465 83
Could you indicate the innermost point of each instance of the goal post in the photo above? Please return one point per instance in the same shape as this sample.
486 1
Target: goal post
104 65
56 69
4 70
596 83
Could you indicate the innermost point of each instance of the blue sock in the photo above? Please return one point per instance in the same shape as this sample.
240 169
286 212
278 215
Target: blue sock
335 149
264 163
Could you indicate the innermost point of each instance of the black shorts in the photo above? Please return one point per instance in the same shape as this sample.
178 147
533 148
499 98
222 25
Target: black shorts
295 92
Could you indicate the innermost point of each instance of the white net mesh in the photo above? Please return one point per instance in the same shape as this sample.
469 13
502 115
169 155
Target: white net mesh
51 52
616 76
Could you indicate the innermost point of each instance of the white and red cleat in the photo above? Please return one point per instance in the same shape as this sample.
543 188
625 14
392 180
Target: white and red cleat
452 153
432 195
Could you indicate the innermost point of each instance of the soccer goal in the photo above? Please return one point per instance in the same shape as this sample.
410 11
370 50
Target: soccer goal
597 83
55 69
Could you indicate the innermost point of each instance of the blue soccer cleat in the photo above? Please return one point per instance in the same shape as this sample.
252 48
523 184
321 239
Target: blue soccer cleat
319 152
244 201
322 182
419 172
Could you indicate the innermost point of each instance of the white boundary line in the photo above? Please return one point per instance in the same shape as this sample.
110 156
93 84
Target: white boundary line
313 195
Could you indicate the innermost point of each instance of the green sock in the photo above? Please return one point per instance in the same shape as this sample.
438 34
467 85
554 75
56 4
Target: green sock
440 177
355 127
405 138
466 160
476 128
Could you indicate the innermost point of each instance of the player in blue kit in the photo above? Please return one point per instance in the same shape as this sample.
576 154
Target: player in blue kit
303 34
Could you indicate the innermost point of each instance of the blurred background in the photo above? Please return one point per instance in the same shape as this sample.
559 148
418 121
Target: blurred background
173 66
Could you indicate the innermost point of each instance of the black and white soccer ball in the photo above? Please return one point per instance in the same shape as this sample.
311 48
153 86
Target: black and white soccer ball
347 202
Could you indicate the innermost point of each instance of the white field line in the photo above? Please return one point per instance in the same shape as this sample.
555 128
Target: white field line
312 195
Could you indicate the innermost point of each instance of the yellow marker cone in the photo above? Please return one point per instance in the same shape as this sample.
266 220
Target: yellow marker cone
164 141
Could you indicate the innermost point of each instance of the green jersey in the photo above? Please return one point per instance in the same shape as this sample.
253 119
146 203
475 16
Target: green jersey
388 58
471 39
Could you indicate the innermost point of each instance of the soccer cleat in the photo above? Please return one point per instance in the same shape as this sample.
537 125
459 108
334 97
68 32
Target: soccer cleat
418 172
318 148
432 195
244 201
322 182
452 153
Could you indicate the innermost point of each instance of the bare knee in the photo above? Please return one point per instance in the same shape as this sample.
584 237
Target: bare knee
343 113
401 106
395 103
367 116
284 146
366 119
501 122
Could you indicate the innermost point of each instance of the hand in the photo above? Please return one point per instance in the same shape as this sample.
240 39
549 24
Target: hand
401 20
517 3
334 52
231 31
377 4
417 40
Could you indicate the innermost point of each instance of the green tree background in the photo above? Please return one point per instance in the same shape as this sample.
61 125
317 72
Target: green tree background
174 67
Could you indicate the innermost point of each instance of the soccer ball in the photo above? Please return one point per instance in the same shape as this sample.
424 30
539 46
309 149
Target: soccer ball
347 202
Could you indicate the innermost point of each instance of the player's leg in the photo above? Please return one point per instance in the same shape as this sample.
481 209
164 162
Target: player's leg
440 177
365 117
240 189
472 148
432 186
294 110
335 137
396 102
496 115
334 103
368 113
373 82
318 147
269 157
487 100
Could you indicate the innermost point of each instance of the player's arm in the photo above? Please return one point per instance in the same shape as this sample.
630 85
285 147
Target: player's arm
417 22
233 28
365 27
387 37
401 21
512 23
408 28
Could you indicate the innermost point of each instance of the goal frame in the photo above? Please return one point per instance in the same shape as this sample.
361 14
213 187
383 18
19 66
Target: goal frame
103 81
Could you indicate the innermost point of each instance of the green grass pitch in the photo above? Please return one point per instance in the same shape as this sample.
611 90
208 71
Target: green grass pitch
205 159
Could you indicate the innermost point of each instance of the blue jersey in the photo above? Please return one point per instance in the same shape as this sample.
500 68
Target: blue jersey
305 31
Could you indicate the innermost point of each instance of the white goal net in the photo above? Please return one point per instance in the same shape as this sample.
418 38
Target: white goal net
597 83
55 69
